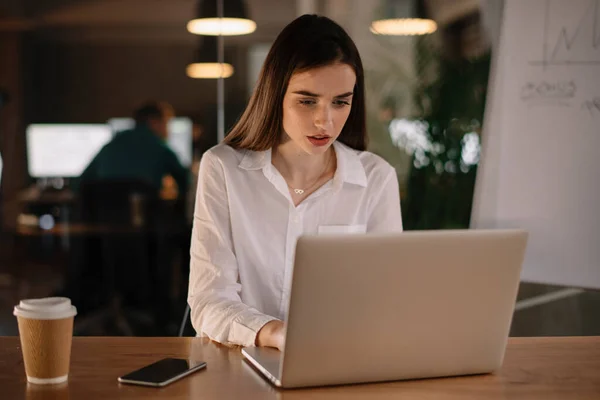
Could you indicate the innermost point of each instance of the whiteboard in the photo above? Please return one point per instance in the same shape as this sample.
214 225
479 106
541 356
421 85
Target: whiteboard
540 164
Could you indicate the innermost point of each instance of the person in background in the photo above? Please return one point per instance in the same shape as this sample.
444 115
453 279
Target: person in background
141 153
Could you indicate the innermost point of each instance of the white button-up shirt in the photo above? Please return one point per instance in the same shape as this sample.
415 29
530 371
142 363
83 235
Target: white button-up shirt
246 227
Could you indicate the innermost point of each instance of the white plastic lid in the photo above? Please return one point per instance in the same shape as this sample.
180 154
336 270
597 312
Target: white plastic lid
46 308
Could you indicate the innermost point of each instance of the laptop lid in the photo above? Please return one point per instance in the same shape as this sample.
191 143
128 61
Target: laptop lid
378 307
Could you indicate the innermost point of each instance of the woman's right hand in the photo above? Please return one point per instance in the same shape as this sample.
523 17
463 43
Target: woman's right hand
272 334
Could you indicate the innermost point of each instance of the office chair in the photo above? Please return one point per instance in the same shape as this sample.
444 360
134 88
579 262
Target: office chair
119 218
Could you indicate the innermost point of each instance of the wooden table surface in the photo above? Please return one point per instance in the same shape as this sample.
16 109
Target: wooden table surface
534 368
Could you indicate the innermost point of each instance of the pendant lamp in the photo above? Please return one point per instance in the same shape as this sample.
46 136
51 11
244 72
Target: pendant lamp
205 64
399 18
235 20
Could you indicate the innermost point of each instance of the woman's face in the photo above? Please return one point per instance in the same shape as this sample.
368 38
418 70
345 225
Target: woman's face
316 106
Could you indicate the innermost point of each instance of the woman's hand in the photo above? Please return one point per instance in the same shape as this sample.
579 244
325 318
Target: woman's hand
272 334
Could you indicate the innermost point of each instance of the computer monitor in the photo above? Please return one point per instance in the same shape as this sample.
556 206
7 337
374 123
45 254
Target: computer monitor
179 139
120 124
57 150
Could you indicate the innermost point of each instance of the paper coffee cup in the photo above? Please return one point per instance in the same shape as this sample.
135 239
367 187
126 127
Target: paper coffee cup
46 331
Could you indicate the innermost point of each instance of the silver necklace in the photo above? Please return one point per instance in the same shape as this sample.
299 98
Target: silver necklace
301 191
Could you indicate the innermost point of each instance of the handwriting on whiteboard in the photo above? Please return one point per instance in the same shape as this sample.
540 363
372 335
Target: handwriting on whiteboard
592 105
571 38
549 92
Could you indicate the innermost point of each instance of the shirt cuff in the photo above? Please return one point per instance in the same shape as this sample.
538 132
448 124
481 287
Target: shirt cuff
245 327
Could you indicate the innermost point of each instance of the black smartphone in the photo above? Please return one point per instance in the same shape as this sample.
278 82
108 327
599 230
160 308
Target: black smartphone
162 372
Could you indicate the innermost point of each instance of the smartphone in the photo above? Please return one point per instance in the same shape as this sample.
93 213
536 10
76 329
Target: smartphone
162 372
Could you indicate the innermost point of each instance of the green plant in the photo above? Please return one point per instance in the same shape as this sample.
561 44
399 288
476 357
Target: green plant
441 180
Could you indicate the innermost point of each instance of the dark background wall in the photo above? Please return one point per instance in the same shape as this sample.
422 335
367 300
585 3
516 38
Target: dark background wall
12 142
74 82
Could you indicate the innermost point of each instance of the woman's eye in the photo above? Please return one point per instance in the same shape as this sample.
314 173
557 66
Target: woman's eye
307 102
341 103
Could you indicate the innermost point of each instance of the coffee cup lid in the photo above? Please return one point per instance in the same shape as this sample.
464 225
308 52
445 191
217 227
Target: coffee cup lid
46 308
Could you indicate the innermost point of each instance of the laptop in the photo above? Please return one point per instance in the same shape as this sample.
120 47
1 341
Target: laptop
385 307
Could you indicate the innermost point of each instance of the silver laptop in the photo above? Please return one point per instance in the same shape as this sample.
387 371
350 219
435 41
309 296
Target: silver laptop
369 308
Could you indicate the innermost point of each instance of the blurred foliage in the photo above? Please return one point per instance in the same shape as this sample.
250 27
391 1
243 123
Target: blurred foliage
440 191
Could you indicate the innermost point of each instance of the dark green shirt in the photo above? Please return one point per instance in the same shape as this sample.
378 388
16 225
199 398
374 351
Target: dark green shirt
137 154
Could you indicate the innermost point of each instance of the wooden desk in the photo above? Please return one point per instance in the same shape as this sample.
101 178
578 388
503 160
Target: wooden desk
35 195
76 229
534 368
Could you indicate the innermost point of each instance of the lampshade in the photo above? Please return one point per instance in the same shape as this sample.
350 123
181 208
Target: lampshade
205 64
399 17
235 19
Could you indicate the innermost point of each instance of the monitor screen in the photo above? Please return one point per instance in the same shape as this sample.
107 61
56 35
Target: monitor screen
179 140
55 150
120 124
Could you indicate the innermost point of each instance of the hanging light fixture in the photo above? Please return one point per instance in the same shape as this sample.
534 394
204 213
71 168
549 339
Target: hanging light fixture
205 64
235 20
215 18
399 19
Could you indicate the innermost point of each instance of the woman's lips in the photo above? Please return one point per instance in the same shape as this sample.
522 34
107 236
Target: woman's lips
319 140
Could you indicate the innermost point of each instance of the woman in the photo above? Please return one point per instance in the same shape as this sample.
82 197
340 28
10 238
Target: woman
294 164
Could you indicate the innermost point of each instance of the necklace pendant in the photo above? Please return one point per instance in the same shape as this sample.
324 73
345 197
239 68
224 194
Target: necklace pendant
298 191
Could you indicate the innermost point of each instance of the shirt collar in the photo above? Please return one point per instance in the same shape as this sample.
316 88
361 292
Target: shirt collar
349 167
253 160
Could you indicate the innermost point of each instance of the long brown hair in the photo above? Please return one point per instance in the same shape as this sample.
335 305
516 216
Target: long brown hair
310 41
